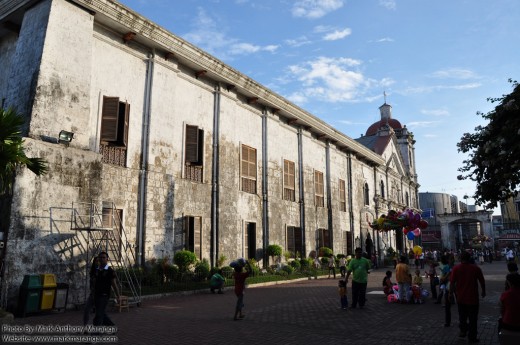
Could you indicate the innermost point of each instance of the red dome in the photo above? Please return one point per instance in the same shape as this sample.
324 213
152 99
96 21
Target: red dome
372 130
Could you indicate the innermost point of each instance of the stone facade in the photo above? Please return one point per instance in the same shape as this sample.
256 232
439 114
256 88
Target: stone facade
200 151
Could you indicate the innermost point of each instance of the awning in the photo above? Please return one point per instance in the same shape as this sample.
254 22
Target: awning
509 237
429 238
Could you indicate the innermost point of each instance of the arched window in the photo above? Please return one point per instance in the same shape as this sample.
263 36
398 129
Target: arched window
365 194
382 189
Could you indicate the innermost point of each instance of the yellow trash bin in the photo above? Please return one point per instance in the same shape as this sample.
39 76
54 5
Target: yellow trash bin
49 291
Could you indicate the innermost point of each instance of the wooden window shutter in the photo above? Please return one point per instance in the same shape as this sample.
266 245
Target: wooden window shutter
192 144
326 238
252 163
187 232
197 224
109 118
290 238
127 121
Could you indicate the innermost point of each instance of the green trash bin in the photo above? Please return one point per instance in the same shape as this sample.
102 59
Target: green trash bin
48 291
30 295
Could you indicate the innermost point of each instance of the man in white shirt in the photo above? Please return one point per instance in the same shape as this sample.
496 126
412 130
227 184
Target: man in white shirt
510 256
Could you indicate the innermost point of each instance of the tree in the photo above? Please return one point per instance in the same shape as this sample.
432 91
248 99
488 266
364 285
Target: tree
494 151
12 154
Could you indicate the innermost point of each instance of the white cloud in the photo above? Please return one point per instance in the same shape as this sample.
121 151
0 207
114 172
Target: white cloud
248 48
323 28
454 73
211 37
207 35
297 98
337 35
300 41
315 8
389 4
427 89
435 112
385 39
330 79
352 123
431 135
421 124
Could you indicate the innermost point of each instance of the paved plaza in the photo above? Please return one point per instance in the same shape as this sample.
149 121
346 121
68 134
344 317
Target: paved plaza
301 312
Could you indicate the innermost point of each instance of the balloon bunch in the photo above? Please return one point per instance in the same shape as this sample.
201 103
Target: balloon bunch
409 220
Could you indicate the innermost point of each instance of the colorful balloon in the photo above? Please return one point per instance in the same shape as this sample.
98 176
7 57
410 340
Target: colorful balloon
417 232
423 224
410 235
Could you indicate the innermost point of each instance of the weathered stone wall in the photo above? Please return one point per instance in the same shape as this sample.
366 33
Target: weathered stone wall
38 242
8 48
68 91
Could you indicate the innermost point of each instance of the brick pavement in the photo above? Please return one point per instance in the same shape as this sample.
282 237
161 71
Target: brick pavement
306 311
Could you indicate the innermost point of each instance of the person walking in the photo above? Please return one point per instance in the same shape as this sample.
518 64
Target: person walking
342 266
404 279
89 303
332 265
105 279
510 305
463 284
240 286
360 267
434 280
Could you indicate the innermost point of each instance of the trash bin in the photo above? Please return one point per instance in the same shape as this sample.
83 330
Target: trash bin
30 293
62 293
48 291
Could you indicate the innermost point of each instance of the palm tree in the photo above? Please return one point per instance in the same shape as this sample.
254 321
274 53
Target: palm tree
12 154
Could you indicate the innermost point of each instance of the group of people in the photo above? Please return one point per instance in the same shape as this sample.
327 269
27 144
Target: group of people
459 284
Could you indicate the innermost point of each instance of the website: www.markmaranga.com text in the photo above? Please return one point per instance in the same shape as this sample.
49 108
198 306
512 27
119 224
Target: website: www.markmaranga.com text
62 334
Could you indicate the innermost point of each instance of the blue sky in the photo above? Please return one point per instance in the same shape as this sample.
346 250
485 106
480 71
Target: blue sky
438 61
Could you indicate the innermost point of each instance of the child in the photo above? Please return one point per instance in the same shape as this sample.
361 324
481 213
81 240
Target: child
387 283
342 289
240 285
417 279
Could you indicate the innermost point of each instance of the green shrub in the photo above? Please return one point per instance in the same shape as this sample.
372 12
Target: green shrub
202 270
255 270
184 259
288 255
274 250
295 264
221 259
227 272
288 269
324 260
306 262
325 251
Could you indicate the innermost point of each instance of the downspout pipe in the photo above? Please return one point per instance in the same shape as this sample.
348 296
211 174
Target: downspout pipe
350 200
301 190
143 171
375 234
329 196
215 176
265 200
